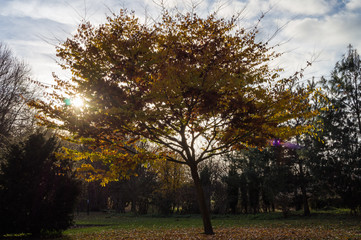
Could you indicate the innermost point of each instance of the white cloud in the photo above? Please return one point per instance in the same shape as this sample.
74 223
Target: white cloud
66 12
39 55
353 4
227 8
304 7
36 9
332 30
326 38
255 8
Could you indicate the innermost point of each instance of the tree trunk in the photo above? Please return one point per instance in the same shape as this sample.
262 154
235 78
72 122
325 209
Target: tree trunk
133 206
202 201
306 208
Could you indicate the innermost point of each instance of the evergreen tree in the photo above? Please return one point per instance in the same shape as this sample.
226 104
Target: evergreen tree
37 193
340 155
233 182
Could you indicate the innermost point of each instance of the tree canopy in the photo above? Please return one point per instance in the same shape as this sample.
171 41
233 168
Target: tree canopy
184 81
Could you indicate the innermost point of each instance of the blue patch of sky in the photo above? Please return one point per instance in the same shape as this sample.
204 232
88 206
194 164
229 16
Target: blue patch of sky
338 6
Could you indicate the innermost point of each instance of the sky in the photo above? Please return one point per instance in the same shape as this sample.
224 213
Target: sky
317 31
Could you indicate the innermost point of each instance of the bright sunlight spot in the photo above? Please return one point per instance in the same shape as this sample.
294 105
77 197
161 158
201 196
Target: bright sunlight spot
77 102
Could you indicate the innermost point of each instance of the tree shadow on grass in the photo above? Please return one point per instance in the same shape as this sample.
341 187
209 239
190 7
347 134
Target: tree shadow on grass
29 236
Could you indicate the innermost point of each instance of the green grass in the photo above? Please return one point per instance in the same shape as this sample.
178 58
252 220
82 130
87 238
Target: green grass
335 224
96 222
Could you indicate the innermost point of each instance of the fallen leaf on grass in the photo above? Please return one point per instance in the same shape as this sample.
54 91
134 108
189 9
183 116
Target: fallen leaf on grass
234 233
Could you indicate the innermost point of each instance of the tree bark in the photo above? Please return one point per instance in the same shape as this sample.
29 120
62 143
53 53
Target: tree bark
208 229
306 208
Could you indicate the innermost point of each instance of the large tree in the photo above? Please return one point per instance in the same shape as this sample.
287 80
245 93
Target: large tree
192 87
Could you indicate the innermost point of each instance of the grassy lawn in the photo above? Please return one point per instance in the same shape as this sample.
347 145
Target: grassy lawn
321 225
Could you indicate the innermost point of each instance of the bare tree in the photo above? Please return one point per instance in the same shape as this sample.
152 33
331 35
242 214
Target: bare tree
15 92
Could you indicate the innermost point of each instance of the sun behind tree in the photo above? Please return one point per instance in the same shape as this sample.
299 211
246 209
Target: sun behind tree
196 87
78 102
